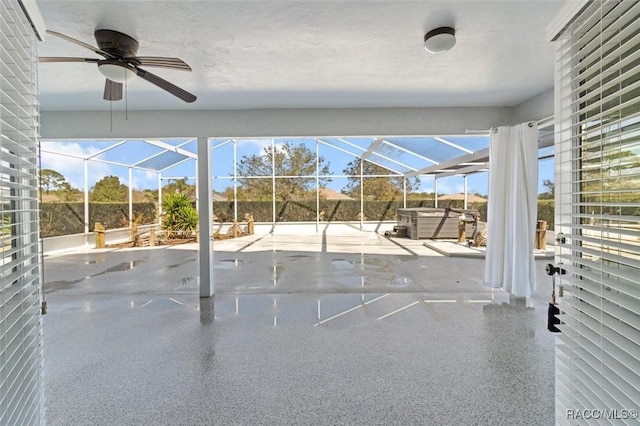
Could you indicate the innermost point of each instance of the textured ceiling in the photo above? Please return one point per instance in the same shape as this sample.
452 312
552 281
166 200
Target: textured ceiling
308 54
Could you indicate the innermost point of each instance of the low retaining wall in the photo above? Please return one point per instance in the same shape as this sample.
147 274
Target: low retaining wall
63 243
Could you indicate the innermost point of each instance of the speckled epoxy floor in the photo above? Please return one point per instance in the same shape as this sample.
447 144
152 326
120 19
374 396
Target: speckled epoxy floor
302 330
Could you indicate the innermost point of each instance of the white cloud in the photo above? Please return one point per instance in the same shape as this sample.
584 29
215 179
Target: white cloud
260 144
143 179
450 185
72 168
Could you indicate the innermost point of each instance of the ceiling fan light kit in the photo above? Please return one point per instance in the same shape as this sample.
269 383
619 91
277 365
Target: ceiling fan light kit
120 63
440 40
116 71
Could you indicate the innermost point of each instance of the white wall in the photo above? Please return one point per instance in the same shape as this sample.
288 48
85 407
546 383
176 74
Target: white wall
536 108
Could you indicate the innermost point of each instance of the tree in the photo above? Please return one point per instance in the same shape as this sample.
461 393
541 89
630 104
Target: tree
69 193
180 186
109 189
421 196
290 160
550 190
377 187
51 180
150 195
240 194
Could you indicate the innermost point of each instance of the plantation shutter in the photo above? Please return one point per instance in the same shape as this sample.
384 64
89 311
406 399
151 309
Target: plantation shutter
20 323
598 212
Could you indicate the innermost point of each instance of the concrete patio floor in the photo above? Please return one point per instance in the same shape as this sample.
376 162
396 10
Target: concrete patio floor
319 329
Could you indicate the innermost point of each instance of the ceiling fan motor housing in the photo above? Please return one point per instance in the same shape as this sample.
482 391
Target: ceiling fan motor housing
116 43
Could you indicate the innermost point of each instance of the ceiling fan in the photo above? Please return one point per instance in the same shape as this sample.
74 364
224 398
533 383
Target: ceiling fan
120 63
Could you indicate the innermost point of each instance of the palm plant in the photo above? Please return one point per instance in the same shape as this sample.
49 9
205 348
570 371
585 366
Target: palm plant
180 216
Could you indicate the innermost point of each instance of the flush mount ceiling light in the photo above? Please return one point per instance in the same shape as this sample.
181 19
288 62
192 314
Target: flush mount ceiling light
117 71
439 40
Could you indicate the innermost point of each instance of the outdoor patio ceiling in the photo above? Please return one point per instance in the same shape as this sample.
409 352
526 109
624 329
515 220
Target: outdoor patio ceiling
158 155
408 156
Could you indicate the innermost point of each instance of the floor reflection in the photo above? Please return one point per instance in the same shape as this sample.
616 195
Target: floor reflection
344 309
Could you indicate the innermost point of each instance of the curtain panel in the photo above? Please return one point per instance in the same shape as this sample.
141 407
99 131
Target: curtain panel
512 209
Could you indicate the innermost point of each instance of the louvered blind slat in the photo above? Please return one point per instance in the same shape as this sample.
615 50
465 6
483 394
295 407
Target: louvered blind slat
21 396
598 209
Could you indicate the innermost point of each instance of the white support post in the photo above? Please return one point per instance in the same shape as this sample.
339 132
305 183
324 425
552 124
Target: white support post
464 177
273 185
204 217
235 180
361 194
86 196
195 163
130 199
317 186
404 193
435 190
159 198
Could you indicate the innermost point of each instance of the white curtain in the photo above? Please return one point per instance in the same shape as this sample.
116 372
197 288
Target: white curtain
512 209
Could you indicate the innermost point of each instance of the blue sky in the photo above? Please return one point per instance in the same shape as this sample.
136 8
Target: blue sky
222 160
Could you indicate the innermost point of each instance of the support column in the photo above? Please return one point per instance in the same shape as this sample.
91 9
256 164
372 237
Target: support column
204 217
130 199
464 177
317 186
273 185
361 194
235 181
195 164
86 196
159 197
404 193
435 191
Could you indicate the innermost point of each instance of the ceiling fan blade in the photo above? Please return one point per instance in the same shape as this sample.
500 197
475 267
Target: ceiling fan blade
164 84
81 43
160 61
112 90
66 59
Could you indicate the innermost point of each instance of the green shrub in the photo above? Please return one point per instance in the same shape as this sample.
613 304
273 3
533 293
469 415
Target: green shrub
546 211
180 217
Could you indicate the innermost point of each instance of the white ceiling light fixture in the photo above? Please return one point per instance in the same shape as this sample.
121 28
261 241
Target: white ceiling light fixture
117 71
440 40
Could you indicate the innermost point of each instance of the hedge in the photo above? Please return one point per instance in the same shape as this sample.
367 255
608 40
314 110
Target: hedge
347 210
67 218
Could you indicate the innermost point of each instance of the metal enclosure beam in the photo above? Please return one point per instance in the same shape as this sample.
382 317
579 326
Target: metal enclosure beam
375 145
171 148
468 158
466 170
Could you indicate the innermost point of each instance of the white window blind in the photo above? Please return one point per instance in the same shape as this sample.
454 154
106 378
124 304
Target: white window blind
20 323
598 212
